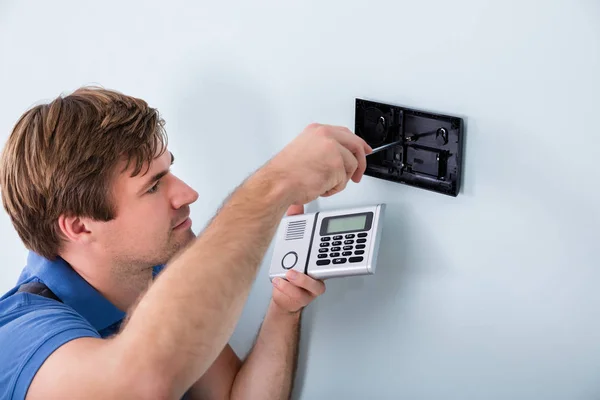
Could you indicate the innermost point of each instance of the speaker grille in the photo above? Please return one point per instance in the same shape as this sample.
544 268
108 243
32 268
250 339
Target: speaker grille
295 230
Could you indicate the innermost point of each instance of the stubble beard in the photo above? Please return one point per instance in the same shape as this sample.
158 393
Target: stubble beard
177 246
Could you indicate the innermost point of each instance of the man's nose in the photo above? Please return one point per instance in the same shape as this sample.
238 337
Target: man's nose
183 194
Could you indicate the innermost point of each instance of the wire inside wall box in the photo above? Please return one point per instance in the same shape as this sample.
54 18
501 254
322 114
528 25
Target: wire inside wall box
423 149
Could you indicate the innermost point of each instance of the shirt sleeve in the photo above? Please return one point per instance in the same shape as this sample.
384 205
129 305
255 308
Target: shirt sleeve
29 334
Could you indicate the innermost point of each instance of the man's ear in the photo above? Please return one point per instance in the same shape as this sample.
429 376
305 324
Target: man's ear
75 229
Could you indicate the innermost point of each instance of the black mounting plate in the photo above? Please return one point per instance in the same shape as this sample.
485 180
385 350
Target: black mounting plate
429 155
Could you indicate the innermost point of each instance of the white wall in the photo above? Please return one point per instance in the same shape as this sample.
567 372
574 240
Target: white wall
490 295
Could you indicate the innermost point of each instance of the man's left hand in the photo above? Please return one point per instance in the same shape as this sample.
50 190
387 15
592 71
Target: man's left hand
297 290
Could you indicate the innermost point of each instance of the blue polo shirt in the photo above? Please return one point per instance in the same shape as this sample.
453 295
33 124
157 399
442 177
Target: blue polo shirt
32 326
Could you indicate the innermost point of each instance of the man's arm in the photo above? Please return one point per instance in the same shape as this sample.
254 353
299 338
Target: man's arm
185 319
268 371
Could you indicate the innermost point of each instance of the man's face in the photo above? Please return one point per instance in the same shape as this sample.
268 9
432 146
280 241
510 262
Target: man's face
152 216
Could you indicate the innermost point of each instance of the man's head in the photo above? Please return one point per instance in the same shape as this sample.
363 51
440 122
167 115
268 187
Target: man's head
89 174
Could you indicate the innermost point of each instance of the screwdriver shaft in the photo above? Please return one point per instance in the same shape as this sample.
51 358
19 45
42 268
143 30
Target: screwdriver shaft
385 146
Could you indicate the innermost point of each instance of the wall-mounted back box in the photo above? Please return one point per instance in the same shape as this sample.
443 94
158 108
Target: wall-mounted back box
429 155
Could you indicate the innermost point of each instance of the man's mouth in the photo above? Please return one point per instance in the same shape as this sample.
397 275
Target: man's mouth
182 223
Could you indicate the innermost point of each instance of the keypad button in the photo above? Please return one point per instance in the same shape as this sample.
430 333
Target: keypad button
339 260
325 239
353 259
323 262
335 254
335 249
324 244
322 255
360 246
338 243
350 236
338 237
347 253
347 247
362 234
289 260
324 250
348 242
361 240
359 252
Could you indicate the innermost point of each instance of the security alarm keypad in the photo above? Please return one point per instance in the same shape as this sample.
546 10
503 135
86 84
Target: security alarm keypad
329 243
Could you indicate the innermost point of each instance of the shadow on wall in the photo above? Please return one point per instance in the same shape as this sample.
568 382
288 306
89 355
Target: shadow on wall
352 302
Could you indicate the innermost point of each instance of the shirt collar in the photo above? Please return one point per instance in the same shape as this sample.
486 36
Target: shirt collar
73 290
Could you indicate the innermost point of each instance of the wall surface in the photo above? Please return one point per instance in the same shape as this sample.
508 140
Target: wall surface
490 295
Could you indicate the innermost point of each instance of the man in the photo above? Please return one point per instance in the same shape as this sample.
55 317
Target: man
86 182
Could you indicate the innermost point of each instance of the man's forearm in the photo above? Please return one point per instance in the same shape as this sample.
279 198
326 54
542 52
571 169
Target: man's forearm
269 369
187 316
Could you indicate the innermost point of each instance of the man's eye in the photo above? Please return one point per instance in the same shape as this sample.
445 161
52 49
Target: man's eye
154 188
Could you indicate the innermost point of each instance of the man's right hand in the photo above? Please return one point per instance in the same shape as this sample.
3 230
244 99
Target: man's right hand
320 162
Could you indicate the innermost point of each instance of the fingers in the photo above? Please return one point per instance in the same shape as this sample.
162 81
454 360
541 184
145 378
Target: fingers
295 209
320 162
356 146
348 139
361 166
352 170
355 162
361 156
340 173
290 297
350 165
367 149
296 291
315 287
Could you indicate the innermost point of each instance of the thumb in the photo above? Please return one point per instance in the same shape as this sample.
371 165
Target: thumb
295 209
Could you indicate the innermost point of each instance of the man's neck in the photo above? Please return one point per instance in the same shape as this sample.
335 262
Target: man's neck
122 285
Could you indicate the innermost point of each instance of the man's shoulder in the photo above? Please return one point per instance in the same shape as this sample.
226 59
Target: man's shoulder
31 328
19 308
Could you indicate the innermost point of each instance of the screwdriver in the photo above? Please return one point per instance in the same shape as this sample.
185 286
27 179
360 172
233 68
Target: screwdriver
385 146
